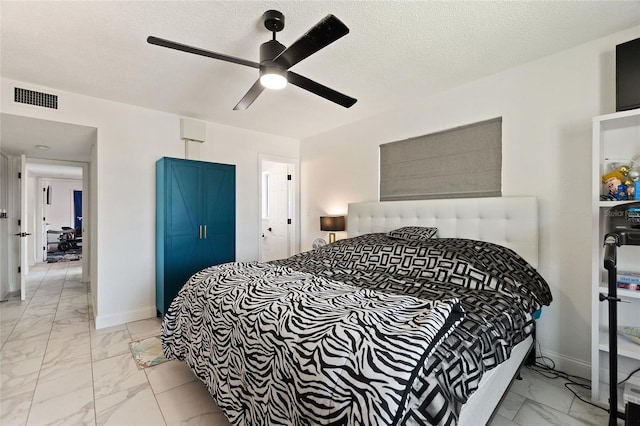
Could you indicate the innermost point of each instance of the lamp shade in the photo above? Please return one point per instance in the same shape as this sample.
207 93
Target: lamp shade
332 223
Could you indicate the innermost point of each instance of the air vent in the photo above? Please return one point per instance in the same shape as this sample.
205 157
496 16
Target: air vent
31 97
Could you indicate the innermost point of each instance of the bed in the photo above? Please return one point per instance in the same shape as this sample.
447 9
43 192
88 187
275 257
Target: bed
422 316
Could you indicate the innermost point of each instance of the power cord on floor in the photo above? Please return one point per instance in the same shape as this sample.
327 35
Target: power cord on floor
629 376
550 372
547 368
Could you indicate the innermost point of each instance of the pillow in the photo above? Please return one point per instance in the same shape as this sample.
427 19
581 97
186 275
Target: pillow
414 233
481 264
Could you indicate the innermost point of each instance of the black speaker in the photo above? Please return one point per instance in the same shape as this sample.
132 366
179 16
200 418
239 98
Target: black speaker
628 75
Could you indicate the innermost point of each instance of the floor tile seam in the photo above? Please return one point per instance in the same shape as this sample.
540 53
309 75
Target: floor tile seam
93 383
148 383
110 356
527 398
8 336
574 401
524 403
93 376
93 362
24 389
40 280
33 393
155 398
30 399
563 387
553 409
515 416
28 299
541 375
193 379
22 314
49 269
43 357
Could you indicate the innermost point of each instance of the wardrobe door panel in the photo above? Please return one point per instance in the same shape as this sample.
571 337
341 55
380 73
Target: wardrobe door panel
184 199
184 216
219 214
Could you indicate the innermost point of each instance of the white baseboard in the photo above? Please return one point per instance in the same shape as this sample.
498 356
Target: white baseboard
103 321
569 365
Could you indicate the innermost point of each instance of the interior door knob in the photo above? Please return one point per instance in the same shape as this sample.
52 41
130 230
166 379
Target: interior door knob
269 229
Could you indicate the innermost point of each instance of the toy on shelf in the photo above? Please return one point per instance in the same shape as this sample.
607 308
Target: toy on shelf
621 181
617 190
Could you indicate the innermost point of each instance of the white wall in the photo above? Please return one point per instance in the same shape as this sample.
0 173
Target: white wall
129 141
547 107
60 212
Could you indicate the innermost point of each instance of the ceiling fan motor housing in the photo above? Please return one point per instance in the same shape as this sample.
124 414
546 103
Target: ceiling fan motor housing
269 50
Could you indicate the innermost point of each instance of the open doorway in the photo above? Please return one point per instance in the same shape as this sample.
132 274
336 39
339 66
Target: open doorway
57 222
278 207
47 231
35 153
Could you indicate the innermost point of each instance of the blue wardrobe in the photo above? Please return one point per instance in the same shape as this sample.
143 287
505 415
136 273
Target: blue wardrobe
195 221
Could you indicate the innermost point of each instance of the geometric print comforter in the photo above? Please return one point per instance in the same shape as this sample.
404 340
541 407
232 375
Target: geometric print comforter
371 330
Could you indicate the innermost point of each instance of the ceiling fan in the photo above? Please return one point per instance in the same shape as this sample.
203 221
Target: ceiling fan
276 59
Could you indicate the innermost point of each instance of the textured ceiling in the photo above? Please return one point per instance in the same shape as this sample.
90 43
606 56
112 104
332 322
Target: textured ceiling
396 51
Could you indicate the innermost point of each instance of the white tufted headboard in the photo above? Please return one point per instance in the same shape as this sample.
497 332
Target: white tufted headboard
509 221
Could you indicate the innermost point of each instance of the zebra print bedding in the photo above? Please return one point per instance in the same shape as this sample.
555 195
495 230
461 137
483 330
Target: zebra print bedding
368 330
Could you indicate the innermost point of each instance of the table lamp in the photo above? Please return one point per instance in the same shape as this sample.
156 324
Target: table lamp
332 224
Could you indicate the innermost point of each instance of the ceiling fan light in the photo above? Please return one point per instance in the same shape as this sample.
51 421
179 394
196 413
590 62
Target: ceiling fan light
273 79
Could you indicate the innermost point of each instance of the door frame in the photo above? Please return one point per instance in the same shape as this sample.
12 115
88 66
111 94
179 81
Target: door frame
24 193
293 231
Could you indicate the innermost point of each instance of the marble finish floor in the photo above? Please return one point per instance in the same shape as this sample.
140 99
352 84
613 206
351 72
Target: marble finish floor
56 369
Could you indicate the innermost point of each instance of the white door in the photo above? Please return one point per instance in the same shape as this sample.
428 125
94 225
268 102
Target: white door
23 226
275 211
44 236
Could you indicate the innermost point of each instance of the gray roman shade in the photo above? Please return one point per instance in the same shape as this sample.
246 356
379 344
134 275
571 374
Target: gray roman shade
457 163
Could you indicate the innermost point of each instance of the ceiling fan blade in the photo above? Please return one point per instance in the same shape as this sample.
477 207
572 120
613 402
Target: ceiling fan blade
319 36
197 51
320 90
250 96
